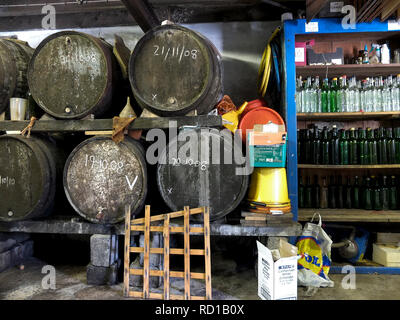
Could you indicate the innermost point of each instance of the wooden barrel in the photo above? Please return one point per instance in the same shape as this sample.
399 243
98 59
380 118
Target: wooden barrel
194 179
28 173
14 61
72 75
174 70
101 177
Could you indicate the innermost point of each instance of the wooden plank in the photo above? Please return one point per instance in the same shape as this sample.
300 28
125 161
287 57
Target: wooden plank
387 238
374 166
172 215
172 229
107 124
146 261
350 215
138 294
357 70
390 8
186 237
172 274
127 251
166 257
193 252
207 255
339 116
98 133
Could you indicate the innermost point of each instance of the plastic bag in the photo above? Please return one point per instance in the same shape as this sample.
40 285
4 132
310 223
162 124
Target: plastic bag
314 261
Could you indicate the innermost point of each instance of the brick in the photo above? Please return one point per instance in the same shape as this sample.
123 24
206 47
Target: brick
99 276
103 250
16 255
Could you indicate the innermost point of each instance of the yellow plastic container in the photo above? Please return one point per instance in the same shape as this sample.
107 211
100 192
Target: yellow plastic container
269 186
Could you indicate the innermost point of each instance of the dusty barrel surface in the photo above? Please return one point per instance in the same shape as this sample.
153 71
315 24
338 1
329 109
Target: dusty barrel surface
174 70
14 62
189 174
72 75
28 173
101 177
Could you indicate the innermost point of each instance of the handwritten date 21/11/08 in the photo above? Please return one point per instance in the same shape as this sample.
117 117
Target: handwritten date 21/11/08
175 52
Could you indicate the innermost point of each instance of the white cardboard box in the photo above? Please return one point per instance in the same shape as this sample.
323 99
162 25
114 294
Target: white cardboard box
277 280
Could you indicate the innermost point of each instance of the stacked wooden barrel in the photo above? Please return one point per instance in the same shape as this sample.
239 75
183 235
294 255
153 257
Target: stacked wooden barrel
174 70
14 61
101 177
202 172
29 169
72 75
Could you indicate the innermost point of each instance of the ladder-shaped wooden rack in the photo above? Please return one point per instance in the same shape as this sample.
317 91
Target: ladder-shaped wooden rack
144 225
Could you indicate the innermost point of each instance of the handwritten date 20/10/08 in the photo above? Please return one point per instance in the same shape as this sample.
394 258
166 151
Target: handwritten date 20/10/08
175 52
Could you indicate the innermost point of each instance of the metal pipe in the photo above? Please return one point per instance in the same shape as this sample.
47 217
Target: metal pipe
143 13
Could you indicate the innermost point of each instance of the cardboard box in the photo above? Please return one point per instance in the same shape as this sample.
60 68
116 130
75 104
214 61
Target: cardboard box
267 147
326 58
386 255
277 272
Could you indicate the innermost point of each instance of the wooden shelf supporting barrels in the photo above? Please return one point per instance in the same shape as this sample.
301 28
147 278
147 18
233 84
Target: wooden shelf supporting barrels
144 225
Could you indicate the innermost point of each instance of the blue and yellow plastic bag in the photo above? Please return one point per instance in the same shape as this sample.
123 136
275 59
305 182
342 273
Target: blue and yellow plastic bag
314 256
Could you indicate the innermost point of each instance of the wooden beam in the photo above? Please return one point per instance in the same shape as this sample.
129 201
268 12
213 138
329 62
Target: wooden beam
390 8
107 124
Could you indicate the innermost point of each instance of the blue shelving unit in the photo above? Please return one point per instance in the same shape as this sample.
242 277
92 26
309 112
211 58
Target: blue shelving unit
291 29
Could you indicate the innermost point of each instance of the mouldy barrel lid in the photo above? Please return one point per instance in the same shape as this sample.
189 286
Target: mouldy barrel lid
258 115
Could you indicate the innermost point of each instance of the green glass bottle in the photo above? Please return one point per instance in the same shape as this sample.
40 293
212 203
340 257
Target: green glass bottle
362 146
344 147
301 146
382 146
397 144
316 193
376 194
308 201
339 193
301 192
393 194
353 152
325 96
307 147
367 197
324 194
325 146
333 96
385 194
356 194
334 147
332 193
391 146
316 147
372 147
348 194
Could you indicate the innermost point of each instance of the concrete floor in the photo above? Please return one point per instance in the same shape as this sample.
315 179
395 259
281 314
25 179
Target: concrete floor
16 284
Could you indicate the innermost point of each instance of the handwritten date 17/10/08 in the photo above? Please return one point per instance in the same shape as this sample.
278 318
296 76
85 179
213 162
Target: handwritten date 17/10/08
176 52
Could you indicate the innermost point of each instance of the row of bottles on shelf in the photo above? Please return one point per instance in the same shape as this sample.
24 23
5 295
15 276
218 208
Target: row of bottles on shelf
374 193
368 95
348 147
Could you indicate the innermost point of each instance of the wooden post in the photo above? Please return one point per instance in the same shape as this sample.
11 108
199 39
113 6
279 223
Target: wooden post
207 251
186 228
127 249
166 257
146 261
